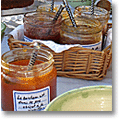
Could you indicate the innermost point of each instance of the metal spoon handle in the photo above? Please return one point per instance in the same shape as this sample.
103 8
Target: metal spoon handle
32 60
92 7
58 12
52 5
33 57
70 13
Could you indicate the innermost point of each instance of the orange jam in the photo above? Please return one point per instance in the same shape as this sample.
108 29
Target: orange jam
23 90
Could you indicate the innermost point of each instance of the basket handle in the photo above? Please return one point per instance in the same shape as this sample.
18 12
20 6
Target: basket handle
108 47
14 42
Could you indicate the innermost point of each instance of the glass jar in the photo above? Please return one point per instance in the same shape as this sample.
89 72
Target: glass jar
23 90
99 14
40 25
47 7
87 32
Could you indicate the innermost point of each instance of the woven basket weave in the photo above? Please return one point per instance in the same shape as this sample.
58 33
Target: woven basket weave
77 62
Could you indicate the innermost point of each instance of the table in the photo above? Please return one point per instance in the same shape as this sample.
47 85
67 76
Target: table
64 84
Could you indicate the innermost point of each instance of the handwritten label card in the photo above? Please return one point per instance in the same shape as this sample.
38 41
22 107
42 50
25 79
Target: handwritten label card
35 100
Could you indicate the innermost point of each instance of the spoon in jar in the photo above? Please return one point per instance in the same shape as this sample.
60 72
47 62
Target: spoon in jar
33 56
52 5
69 13
92 7
58 12
56 17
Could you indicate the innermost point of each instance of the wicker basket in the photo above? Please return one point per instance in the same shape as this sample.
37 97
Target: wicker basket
77 62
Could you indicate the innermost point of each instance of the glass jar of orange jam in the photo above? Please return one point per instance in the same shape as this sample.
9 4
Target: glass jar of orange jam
100 14
40 25
23 90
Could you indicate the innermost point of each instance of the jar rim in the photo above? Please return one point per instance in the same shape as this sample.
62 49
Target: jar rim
99 13
48 5
95 26
41 14
88 8
7 65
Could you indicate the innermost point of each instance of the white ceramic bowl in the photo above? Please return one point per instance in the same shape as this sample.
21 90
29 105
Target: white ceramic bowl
92 98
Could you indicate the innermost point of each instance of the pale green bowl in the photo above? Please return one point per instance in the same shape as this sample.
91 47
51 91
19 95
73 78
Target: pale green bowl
92 98
75 3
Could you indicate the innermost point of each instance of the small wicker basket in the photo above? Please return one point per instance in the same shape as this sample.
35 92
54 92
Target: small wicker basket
77 62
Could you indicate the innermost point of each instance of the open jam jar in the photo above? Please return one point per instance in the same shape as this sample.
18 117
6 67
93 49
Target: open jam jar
23 90
40 25
87 33
100 14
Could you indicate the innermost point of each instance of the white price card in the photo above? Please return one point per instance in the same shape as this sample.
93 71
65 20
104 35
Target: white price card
35 100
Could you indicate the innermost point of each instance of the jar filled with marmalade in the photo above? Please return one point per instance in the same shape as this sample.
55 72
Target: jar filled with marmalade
23 90
40 25
100 14
88 33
